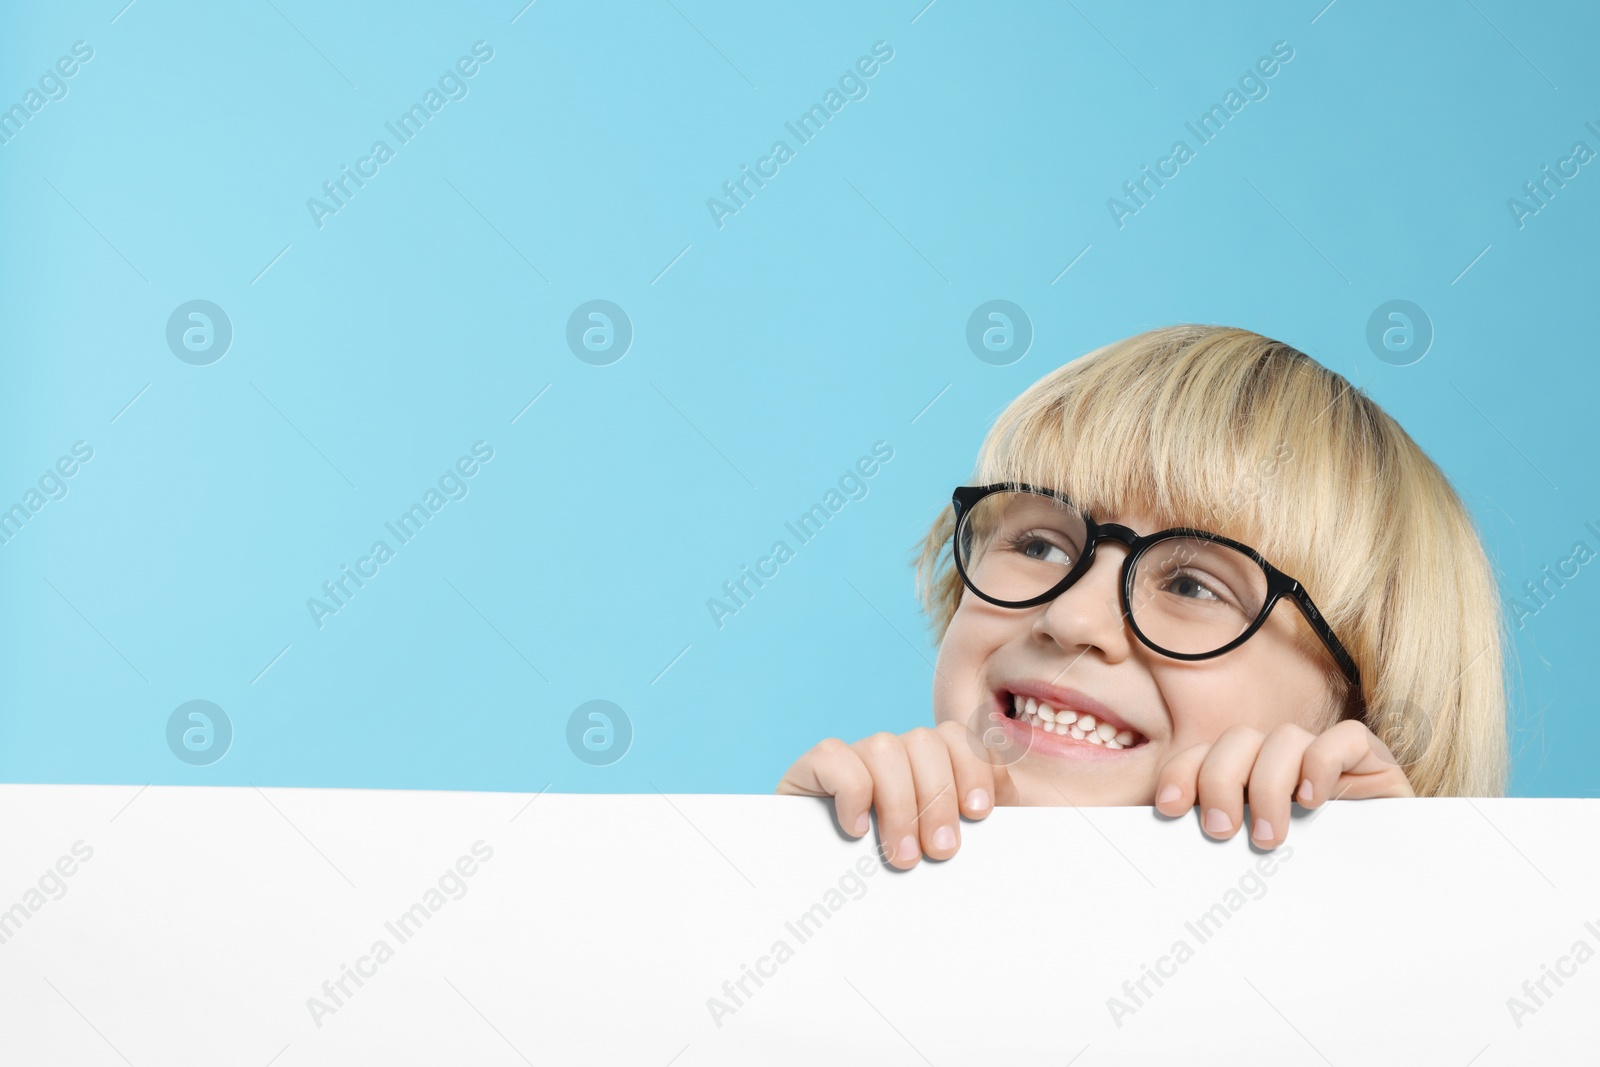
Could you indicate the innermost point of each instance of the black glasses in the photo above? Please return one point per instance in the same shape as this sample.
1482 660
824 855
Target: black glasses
1188 594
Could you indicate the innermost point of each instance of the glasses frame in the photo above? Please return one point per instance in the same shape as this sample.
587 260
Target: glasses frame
1279 585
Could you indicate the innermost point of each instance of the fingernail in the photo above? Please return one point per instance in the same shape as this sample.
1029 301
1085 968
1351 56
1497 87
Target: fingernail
1169 794
908 848
1305 789
1217 821
863 824
978 800
944 839
1262 830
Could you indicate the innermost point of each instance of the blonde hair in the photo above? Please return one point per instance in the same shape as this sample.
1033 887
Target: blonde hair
1223 429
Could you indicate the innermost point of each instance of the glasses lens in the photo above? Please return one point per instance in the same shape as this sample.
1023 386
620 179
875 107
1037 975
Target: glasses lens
1014 546
1194 596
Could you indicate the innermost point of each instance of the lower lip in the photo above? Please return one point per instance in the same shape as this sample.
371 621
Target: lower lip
1058 746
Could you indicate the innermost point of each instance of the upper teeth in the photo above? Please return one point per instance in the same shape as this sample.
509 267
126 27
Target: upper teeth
1066 721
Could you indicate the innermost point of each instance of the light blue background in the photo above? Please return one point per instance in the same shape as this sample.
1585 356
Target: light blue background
823 317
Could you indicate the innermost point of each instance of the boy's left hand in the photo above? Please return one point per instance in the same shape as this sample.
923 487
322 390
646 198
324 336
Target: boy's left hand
1289 763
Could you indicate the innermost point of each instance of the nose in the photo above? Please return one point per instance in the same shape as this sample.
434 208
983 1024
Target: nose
1089 614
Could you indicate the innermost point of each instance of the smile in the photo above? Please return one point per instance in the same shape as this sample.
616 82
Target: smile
1064 730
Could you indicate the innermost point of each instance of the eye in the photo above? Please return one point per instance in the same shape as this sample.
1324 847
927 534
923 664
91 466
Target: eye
1195 585
1042 547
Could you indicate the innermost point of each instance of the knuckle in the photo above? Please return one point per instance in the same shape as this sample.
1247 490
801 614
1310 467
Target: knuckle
1267 791
1294 730
880 743
830 748
1212 782
936 799
1318 758
855 787
1351 728
964 756
891 795
970 766
1244 733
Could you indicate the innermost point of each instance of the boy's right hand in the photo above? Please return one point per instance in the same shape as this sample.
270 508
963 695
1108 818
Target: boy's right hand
920 782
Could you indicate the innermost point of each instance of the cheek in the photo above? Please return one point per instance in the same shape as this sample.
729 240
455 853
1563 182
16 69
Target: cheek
1203 698
967 643
1294 665
1262 684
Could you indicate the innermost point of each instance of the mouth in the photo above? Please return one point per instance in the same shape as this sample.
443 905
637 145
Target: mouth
1065 723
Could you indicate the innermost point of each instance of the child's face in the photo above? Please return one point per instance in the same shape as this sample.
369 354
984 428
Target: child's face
1080 641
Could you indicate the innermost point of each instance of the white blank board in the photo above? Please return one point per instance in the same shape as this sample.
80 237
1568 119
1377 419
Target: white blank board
207 925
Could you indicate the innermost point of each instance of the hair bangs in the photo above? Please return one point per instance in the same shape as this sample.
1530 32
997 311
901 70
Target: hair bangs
1179 435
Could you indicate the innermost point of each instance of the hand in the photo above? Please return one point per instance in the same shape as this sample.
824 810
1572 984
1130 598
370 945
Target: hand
920 782
1287 764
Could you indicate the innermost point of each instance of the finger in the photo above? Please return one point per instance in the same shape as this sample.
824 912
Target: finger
1175 782
1273 780
1222 779
894 795
974 774
832 768
1349 761
938 818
